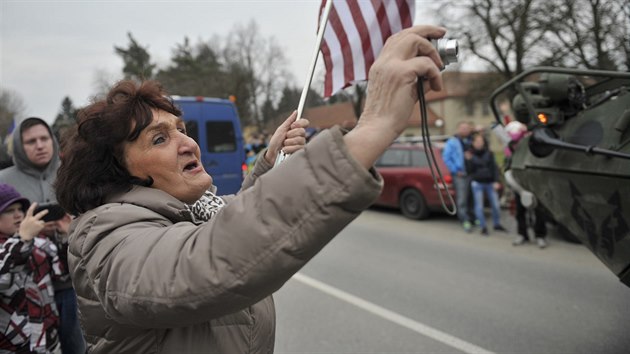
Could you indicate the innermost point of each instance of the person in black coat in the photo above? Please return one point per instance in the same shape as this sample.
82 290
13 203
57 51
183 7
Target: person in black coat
484 175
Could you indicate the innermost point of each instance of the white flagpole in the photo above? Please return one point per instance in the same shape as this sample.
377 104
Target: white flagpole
320 36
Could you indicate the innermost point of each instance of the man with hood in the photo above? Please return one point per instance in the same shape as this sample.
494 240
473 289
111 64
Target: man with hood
33 174
35 161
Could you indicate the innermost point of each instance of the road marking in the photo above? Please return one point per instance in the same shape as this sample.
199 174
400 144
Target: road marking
398 319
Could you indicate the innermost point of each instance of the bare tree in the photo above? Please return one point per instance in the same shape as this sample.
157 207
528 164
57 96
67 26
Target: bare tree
265 62
505 34
589 33
12 107
102 82
512 35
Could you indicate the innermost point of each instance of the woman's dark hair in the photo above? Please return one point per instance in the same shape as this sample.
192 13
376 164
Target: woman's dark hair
92 162
477 134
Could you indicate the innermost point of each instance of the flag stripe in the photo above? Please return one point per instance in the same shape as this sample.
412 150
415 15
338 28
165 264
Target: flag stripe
381 17
328 85
405 13
367 10
366 46
328 77
336 60
354 39
355 34
393 16
346 50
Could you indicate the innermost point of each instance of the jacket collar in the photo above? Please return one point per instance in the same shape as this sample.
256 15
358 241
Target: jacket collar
156 200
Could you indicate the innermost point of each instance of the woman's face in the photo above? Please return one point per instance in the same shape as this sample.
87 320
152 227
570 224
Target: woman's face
10 219
164 152
478 143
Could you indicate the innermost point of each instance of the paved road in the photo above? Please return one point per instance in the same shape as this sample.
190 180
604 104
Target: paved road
392 285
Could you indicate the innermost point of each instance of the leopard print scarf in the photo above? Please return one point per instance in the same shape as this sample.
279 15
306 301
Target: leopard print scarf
206 207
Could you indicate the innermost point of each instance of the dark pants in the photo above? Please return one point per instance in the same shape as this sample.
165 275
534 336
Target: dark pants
70 334
522 222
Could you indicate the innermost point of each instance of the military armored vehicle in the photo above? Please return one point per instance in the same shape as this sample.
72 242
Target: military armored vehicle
575 159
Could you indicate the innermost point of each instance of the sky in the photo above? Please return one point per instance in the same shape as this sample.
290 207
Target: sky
51 49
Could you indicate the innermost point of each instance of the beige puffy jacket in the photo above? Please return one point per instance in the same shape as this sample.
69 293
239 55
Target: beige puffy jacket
150 281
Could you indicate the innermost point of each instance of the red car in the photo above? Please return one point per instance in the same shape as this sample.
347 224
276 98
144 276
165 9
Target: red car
408 184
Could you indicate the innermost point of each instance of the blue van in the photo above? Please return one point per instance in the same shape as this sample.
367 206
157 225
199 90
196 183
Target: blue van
215 126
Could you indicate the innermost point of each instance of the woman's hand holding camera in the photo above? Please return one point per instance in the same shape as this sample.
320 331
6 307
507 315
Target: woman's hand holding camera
392 91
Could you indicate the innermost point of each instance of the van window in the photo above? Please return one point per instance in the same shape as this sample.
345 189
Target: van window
192 130
220 136
394 158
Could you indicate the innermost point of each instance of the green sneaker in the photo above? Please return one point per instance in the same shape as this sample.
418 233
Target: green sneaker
467 226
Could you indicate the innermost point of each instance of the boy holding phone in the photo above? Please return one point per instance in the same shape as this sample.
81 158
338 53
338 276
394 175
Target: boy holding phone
28 265
36 161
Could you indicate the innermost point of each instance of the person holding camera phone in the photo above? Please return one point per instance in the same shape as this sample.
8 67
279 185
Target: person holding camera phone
28 266
163 265
36 161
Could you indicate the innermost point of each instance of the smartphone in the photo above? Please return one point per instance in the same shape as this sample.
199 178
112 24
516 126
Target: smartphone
55 212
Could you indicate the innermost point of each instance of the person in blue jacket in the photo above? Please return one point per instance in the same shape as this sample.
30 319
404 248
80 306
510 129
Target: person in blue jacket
453 156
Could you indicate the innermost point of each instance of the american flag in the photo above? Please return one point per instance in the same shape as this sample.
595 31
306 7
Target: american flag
355 34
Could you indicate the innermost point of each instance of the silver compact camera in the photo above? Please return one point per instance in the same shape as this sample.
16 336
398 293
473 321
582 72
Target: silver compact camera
447 48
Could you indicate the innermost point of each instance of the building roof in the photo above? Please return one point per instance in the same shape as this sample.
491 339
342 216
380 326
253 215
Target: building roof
461 84
330 115
414 120
456 85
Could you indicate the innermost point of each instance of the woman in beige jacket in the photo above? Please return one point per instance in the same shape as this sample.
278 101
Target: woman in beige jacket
162 265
